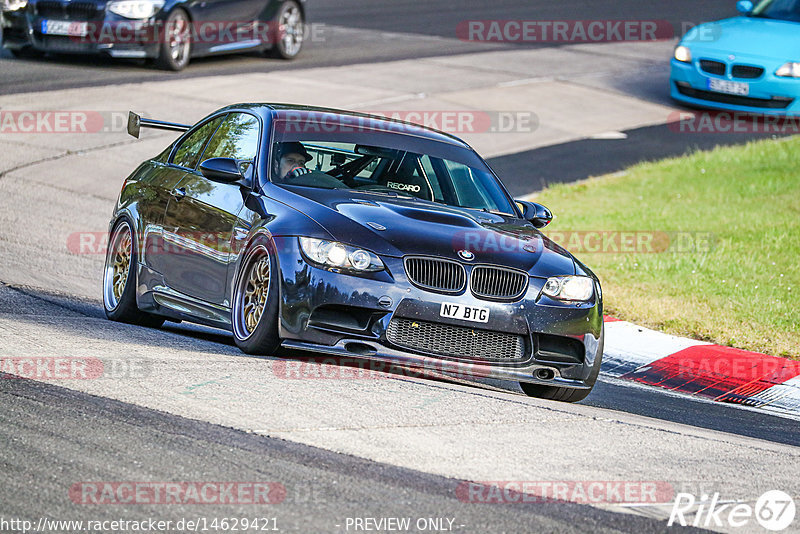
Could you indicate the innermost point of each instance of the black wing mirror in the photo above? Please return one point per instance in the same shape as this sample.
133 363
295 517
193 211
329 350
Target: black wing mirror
537 214
223 170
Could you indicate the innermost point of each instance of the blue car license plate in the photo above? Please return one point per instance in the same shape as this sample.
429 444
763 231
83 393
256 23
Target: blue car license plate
728 87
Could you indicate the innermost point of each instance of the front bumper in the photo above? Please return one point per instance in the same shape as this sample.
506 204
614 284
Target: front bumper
107 34
768 94
350 316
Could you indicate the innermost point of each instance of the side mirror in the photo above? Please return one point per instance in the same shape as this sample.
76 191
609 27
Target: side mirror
744 6
223 170
537 214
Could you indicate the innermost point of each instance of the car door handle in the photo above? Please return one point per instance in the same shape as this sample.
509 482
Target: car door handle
179 193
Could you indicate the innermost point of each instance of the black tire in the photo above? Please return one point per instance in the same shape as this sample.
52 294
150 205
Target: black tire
567 394
121 306
256 334
287 39
175 48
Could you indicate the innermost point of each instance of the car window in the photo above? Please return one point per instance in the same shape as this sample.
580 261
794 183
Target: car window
236 137
189 150
432 178
389 170
778 9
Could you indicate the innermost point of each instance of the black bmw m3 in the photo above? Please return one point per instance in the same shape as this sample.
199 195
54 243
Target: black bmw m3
170 32
351 235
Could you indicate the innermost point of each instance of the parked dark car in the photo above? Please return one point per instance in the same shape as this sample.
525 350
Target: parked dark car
356 236
169 31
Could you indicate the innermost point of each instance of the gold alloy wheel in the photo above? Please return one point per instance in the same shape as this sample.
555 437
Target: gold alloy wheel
121 264
118 265
255 293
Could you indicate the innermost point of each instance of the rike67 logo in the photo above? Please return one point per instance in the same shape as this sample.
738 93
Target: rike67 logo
774 510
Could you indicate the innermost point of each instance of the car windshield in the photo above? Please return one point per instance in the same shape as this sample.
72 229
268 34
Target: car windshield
387 164
778 9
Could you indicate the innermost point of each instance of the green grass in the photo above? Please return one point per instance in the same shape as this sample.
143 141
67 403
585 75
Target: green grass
743 292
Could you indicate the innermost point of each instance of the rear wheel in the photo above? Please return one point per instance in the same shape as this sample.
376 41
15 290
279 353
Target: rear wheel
288 31
176 43
567 394
254 314
119 280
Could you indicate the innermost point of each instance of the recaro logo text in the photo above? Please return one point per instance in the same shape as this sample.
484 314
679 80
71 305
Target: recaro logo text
404 187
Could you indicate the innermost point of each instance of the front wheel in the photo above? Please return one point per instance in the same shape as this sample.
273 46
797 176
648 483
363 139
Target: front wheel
176 44
568 394
254 314
289 28
119 280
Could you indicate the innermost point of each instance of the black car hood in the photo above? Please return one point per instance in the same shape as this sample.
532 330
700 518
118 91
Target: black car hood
398 226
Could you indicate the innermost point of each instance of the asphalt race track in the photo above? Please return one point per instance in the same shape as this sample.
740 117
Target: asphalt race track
82 437
183 404
360 31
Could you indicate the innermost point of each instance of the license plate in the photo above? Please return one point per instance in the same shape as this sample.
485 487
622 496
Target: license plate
465 313
729 87
63 27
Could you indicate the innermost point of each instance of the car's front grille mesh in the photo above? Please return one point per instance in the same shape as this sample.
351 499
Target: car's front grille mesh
458 342
51 9
77 11
747 71
81 11
437 274
712 67
497 283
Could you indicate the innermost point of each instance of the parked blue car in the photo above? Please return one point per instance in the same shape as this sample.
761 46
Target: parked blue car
749 63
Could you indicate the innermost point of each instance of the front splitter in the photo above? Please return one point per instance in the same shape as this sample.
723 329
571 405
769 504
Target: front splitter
360 349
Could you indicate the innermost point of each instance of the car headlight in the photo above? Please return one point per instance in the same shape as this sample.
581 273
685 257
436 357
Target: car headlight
572 288
135 9
333 255
13 5
789 70
683 54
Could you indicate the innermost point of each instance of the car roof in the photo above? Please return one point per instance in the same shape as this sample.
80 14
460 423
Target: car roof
302 112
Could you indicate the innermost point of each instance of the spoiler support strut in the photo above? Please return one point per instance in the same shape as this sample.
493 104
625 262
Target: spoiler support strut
136 123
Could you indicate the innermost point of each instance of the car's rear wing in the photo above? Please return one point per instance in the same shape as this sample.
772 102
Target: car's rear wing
136 123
